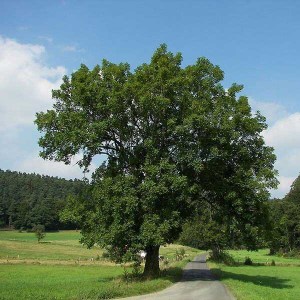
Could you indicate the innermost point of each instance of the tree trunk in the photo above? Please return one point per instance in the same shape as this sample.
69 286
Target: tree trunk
152 262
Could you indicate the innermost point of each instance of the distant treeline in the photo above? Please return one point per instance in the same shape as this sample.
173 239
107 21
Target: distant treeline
30 199
27 200
285 216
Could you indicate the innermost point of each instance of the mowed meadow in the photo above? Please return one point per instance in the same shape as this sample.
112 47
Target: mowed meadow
60 267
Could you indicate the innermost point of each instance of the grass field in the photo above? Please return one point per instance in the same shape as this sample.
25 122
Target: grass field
261 282
63 245
262 257
61 268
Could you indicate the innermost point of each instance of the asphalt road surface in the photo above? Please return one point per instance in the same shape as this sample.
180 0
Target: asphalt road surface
197 283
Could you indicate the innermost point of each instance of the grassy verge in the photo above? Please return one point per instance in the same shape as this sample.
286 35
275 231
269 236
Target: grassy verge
260 281
61 268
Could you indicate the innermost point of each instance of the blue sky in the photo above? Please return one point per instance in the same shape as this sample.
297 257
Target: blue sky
256 43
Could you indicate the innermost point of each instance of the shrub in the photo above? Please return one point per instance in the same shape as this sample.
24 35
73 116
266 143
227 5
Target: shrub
39 231
165 262
273 262
248 261
222 257
136 269
180 254
293 253
105 255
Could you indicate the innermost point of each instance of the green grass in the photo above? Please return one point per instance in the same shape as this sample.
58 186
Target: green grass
169 251
51 269
52 282
71 282
63 245
261 282
64 236
262 257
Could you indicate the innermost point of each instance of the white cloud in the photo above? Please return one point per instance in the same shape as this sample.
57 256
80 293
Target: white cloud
288 163
9 146
284 135
272 111
36 164
284 186
25 88
25 83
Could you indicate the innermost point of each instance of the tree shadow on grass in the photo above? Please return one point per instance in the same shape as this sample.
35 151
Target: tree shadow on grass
261 280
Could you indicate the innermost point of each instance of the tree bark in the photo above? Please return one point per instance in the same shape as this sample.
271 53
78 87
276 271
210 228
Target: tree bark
152 262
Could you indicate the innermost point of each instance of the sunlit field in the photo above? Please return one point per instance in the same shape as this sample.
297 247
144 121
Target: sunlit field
261 281
60 267
262 257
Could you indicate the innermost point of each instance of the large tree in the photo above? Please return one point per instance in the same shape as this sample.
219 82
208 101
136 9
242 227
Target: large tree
173 138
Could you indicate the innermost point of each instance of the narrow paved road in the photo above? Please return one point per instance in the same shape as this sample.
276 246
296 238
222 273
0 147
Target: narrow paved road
197 283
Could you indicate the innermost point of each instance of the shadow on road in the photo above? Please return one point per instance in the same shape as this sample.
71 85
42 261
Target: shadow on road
196 274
